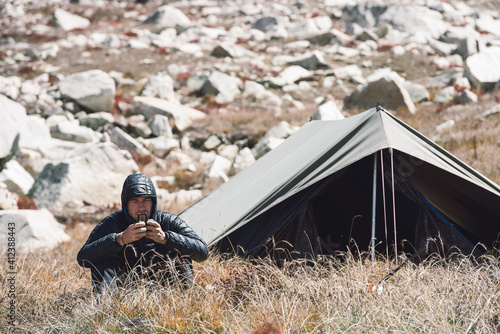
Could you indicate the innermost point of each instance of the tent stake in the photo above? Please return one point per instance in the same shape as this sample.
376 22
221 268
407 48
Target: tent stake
374 204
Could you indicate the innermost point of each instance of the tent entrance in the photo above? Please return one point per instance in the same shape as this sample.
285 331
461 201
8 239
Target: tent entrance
335 215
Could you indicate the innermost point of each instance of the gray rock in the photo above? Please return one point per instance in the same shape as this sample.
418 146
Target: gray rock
167 17
445 95
182 116
73 131
467 96
97 120
16 178
160 86
418 93
10 86
258 93
35 230
68 21
94 175
265 23
123 140
275 136
92 89
327 110
311 61
12 123
483 68
161 146
225 87
8 200
160 126
228 151
384 87
244 159
212 142
218 169
442 79
290 75
231 50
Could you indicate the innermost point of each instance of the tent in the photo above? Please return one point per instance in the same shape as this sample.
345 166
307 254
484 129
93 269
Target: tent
368 180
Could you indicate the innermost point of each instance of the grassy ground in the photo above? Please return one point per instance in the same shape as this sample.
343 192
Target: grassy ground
232 295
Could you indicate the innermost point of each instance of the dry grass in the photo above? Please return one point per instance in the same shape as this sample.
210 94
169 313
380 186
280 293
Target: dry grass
232 295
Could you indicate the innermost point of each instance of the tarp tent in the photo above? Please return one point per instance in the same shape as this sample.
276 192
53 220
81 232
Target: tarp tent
315 193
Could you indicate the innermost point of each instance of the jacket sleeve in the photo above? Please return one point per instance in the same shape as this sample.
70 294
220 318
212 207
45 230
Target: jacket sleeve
100 246
183 239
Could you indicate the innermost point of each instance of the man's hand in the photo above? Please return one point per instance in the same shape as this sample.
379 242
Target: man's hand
133 233
155 233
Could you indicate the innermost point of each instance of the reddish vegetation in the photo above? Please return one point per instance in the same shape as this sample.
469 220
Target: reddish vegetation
26 203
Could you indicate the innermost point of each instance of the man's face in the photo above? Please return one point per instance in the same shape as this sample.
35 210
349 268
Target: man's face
142 205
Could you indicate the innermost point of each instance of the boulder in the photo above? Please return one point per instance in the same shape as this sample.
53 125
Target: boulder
94 175
311 61
160 86
125 141
275 136
92 89
327 111
167 17
483 68
68 21
12 122
33 230
180 115
224 86
231 50
8 200
384 87
73 131
160 126
16 178
244 159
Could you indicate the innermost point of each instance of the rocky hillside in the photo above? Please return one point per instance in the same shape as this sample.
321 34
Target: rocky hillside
192 92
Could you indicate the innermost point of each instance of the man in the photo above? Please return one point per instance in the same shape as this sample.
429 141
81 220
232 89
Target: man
127 246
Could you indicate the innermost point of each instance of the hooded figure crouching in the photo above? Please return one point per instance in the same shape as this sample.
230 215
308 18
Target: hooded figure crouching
141 242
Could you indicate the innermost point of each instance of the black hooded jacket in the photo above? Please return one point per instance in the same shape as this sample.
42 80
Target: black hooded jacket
102 250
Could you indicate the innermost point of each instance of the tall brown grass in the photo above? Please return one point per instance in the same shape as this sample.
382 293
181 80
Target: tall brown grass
234 295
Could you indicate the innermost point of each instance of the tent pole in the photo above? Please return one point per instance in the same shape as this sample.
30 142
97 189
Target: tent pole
394 205
374 204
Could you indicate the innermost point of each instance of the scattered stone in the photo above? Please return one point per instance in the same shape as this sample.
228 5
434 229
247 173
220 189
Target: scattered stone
483 68
92 89
36 230
383 87
68 21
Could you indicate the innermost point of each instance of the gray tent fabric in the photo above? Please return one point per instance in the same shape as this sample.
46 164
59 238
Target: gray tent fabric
437 194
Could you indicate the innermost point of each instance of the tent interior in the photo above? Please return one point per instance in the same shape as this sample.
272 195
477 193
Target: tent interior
336 214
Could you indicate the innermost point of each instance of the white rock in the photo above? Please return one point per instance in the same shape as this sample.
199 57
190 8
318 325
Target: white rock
8 200
328 111
445 126
93 175
181 115
220 166
483 68
12 122
167 17
244 159
34 230
68 21
17 179
92 89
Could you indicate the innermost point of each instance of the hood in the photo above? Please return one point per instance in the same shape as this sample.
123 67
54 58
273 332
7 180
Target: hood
136 185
